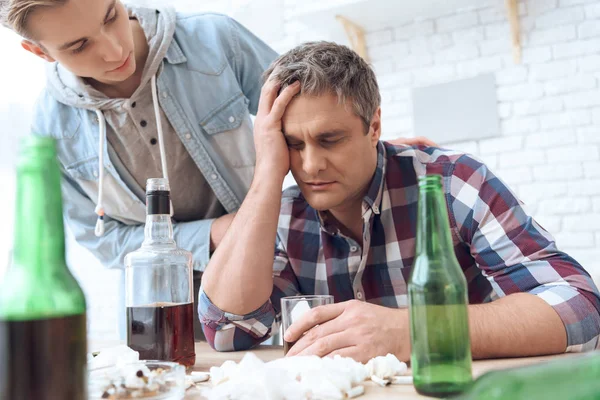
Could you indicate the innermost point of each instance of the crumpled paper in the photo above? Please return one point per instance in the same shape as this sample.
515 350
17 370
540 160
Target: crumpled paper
117 355
298 378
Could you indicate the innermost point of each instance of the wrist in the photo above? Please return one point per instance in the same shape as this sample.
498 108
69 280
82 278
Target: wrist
402 348
268 174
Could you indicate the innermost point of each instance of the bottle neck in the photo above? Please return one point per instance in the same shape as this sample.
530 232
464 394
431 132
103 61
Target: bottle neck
433 229
39 239
158 230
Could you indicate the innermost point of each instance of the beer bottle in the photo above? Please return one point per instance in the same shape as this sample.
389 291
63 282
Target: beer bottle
42 307
573 377
437 298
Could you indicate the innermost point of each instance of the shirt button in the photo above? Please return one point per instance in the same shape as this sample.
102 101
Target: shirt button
213 176
96 120
232 119
143 123
359 295
96 174
133 105
376 209
164 95
353 249
188 136
153 141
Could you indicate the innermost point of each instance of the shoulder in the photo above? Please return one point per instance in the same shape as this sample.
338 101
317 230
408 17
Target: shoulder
206 39
207 28
436 160
53 118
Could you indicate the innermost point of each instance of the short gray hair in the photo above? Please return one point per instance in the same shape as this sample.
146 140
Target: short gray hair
326 67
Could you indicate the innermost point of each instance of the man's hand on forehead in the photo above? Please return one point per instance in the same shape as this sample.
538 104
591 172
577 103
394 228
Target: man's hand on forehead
272 154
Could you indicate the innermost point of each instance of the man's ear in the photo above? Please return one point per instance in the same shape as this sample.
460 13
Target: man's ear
36 50
375 127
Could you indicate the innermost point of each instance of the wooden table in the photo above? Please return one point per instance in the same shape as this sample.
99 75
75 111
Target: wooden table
207 357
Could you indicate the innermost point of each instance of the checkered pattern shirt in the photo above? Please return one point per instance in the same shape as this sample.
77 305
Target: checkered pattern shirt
501 250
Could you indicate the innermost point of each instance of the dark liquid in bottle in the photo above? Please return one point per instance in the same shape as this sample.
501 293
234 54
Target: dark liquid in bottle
43 359
162 331
287 346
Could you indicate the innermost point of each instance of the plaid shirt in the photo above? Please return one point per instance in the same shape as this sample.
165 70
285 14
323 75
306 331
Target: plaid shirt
501 249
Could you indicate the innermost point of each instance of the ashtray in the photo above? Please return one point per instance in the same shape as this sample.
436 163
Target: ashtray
148 380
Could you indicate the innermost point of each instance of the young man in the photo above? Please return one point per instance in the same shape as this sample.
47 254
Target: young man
349 230
114 78
119 76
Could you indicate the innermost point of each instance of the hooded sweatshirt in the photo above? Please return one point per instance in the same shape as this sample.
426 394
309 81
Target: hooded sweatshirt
132 129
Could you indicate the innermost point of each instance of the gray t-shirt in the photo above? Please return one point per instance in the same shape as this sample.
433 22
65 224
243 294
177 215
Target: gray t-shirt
138 152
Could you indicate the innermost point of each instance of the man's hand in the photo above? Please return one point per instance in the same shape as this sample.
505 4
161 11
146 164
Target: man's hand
416 141
351 329
272 155
218 229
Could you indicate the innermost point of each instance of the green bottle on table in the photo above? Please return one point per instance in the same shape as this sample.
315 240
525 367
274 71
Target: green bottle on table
42 307
437 298
569 378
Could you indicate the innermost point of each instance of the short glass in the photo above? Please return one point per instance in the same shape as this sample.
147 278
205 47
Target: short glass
293 307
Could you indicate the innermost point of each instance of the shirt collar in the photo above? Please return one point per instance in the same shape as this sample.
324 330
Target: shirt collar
174 53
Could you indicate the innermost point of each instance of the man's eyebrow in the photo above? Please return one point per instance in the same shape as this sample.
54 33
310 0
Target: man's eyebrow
110 8
328 134
69 44
74 42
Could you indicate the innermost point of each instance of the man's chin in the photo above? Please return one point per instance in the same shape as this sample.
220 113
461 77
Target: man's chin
112 78
322 202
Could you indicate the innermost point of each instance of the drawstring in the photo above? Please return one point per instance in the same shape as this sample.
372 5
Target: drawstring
99 231
161 143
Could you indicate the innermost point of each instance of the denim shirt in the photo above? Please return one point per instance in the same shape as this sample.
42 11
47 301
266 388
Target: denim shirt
209 84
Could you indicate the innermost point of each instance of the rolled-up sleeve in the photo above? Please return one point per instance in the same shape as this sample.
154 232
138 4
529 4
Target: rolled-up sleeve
230 332
517 255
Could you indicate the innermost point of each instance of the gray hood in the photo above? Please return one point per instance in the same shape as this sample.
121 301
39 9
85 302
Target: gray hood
158 26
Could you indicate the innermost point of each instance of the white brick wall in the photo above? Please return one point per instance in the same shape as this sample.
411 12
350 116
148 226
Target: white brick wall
549 106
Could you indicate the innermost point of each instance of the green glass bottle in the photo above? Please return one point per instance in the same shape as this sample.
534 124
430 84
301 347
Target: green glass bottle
437 298
576 377
42 308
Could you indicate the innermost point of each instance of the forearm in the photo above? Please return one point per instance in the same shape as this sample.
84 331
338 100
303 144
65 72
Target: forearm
518 325
239 276
218 229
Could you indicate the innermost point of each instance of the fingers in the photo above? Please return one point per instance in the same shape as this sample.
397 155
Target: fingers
317 333
316 316
268 94
326 345
284 99
353 352
425 141
419 140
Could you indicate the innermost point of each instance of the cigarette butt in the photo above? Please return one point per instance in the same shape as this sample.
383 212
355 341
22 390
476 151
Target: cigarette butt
198 376
379 381
402 380
355 391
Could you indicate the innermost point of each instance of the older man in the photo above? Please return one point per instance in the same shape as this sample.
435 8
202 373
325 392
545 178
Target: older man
349 228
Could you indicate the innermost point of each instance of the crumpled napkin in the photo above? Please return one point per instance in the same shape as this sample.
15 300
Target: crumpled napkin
298 378
117 355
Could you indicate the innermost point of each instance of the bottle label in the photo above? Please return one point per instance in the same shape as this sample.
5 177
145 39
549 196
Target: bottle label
158 202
